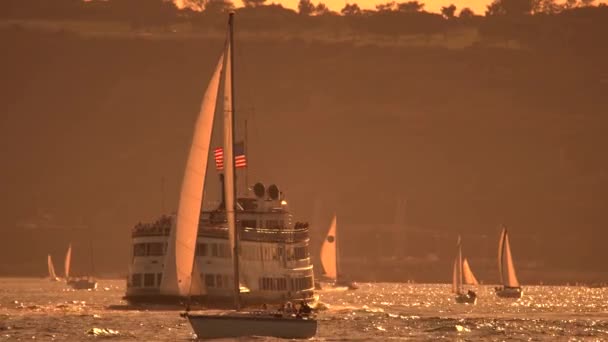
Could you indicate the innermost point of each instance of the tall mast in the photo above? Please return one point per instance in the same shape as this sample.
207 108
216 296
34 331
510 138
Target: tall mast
235 254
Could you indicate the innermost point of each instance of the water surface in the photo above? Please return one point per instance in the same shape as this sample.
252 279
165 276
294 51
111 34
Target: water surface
37 309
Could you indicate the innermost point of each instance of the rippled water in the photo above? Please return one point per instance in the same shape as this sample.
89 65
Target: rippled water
43 310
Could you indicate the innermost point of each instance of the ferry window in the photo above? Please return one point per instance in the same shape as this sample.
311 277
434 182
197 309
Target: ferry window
155 249
307 283
224 251
136 279
209 280
272 224
301 253
249 223
275 254
139 249
214 251
159 278
149 279
218 281
201 249
282 286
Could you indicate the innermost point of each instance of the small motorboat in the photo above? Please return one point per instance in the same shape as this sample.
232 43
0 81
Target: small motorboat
84 283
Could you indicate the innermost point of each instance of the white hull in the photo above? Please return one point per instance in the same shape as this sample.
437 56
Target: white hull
509 292
208 326
275 266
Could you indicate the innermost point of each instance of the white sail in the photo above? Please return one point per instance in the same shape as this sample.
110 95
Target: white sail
228 150
49 261
329 258
469 277
67 262
179 260
509 277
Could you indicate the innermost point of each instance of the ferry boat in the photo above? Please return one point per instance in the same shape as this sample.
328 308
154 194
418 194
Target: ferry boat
275 260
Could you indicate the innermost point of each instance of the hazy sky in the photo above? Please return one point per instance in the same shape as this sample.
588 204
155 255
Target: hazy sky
478 6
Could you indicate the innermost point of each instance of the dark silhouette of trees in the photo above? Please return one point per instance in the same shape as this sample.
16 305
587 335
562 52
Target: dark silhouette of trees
351 10
509 7
253 3
305 7
448 11
218 6
410 7
321 9
404 7
386 7
466 13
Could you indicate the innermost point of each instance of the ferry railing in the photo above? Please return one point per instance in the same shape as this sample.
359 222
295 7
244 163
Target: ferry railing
259 234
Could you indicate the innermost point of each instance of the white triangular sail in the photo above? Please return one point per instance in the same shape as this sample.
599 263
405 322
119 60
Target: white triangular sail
179 260
508 276
52 273
67 262
329 258
469 277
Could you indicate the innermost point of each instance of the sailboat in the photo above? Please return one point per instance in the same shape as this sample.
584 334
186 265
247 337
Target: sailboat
330 258
458 272
77 283
232 323
510 285
52 275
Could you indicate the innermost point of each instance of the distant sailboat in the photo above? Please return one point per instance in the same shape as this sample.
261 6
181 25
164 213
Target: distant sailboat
229 324
330 258
52 274
462 270
510 285
77 283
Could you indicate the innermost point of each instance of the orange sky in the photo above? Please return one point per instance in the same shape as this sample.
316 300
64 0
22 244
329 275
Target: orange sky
478 6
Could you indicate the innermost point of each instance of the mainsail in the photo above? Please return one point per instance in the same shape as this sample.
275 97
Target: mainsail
329 258
179 260
469 277
505 262
68 260
457 271
49 261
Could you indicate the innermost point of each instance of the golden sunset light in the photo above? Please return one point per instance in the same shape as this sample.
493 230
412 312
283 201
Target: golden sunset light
314 170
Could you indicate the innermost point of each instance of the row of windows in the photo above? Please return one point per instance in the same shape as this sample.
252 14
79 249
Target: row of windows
301 253
273 284
222 250
301 283
149 249
225 281
218 250
146 279
280 284
219 281
269 224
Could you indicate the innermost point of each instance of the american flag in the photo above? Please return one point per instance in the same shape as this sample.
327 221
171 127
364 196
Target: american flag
239 156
